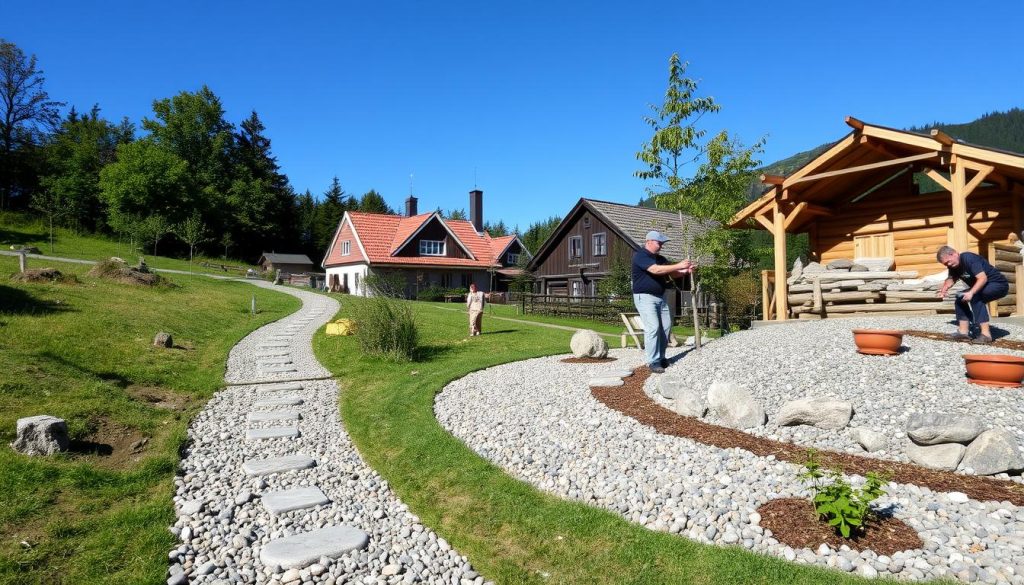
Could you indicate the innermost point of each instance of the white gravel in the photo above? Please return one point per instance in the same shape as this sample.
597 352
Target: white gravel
223 524
538 421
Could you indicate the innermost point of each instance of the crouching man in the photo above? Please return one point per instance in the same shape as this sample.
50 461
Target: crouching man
986 285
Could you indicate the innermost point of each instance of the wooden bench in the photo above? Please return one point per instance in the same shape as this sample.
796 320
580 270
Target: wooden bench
635 329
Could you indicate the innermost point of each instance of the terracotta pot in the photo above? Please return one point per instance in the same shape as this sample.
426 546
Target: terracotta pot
1005 371
878 341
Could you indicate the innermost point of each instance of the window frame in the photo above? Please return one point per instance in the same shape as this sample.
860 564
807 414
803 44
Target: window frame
346 247
575 239
512 258
426 245
603 250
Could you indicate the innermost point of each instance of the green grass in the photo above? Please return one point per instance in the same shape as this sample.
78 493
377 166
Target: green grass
511 532
18 229
83 352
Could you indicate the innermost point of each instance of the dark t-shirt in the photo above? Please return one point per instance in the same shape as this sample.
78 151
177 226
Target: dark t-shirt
971 265
643 281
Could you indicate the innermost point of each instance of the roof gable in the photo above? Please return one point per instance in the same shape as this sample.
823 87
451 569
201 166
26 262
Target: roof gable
431 217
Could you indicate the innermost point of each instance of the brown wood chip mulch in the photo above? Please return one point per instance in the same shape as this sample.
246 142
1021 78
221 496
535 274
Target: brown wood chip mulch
1003 343
630 399
794 522
587 360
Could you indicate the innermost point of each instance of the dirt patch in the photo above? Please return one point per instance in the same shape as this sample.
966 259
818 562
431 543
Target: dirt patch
119 271
630 399
1003 343
50 275
794 522
159 397
111 445
587 360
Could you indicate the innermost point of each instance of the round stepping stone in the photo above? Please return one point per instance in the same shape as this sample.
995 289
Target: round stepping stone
605 381
269 415
294 499
277 464
272 433
301 550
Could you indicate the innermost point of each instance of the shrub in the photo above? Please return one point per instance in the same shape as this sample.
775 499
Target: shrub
741 294
836 502
386 285
386 328
431 293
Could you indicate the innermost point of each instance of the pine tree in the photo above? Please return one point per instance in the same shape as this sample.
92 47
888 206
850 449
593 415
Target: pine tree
328 214
373 202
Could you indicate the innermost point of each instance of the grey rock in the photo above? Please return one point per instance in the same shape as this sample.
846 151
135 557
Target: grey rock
690 402
607 381
870 440
191 507
587 343
855 267
272 433
994 451
935 428
163 339
279 502
177 579
841 264
669 386
813 268
41 435
274 415
824 413
796 273
943 456
304 549
735 406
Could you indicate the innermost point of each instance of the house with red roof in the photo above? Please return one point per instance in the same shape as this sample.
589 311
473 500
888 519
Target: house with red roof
424 249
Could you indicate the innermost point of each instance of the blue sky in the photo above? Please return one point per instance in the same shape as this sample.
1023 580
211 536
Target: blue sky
541 102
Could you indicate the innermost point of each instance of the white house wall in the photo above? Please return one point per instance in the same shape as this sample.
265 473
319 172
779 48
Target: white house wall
352 272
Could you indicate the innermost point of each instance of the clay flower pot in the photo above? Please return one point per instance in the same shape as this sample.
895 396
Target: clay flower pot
1005 371
878 341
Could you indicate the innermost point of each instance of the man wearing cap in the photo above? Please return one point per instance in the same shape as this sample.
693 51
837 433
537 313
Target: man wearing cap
651 272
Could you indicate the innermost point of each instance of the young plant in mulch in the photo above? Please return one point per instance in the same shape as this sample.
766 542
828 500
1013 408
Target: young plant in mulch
837 514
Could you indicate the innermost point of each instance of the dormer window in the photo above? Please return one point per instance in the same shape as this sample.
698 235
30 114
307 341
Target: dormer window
346 247
586 221
431 247
513 258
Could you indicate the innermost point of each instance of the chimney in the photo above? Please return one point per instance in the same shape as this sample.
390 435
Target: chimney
410 206
476 209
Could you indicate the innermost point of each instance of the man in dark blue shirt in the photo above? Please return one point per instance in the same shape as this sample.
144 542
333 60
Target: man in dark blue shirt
650 279
986 285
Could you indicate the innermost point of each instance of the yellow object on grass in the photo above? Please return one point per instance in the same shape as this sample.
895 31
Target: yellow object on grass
341 327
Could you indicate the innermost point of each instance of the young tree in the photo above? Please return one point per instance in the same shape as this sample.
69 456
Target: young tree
147 180
51 204
27 114
192 231
155 227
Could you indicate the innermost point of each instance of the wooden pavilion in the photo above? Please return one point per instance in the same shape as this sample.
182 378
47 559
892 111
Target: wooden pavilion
883 192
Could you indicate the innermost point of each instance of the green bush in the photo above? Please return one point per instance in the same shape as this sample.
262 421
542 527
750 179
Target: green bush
386 328
431 293
835 502
741 294
387 284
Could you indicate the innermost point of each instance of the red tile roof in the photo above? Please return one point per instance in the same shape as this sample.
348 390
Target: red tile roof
381 235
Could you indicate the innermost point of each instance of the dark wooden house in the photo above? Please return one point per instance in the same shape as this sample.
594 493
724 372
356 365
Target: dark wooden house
286 263
596 235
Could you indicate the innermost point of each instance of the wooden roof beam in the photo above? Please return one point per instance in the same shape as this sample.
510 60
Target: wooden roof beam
938 178
772 179
860 168
854 123
941 137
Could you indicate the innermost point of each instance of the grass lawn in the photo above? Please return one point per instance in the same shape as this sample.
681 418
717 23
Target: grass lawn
18 229
512 312
511 532
83 352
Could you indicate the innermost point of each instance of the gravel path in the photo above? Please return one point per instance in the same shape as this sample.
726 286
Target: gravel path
538 421
223 520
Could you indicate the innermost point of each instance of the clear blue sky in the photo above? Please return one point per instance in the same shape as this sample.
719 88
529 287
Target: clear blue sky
541 101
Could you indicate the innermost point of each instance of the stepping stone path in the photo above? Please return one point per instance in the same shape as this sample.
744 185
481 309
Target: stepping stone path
292 492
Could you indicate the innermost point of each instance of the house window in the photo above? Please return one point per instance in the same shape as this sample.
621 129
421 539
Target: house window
513 258
431 248
600 245
346 247
446 280
586 221
575 246
577 288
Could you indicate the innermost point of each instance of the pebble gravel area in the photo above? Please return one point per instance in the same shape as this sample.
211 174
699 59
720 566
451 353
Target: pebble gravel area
223 524
538 421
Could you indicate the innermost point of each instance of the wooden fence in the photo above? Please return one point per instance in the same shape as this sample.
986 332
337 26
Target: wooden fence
594 308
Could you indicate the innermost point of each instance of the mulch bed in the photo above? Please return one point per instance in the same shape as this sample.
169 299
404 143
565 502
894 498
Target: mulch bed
587 360
1003 343
630 399
793 522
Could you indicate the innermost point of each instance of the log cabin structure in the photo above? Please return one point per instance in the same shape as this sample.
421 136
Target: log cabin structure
882 192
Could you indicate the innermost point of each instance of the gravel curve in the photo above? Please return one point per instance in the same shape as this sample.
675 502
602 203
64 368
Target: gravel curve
538 421
221 521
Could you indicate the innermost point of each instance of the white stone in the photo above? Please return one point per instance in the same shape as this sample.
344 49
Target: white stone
272 415
824 413
283 501
272 433
587 343
606 381
302 550
735 406
41 435
282 401
277 464
945 456
870 440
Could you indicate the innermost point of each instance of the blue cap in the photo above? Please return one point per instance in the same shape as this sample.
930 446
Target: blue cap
656 236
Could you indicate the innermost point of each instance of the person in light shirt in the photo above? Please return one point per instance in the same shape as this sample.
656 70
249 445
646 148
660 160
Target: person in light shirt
475 304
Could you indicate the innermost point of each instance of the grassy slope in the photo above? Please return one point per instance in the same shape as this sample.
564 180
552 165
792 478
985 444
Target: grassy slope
83 352
511 532
17 229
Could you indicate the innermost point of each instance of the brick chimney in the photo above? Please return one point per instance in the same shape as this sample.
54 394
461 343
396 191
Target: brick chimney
410 206
476 209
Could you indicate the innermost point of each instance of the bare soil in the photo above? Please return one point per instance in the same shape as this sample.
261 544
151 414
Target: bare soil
630 399
50 275
159 397
111 445
794 522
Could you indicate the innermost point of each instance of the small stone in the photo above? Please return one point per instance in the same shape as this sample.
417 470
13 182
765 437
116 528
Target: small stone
823 413
41 435
191 507
390 570
586 343
163 339
945 456
870 440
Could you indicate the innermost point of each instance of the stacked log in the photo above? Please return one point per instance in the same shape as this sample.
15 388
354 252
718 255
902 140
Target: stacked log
819 291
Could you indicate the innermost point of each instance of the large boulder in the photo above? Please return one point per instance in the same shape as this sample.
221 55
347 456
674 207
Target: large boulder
994 451
945 456
586 343
669 386
796 273
824 413
935 428
870 440
690 402
41 435
735 406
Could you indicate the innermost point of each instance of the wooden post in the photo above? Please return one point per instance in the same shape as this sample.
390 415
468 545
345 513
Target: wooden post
22 260
1015 195
253 307
959 208
765 297
779 234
